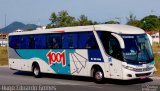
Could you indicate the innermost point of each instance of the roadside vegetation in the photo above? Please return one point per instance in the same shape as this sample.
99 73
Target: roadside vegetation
156 50
64 19
3 56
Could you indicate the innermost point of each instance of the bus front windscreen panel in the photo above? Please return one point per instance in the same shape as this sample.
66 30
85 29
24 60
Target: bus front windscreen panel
137 49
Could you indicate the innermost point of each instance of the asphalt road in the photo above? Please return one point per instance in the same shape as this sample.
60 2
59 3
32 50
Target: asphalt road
72 83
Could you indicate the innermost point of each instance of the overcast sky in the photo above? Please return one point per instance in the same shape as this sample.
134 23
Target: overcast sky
34 11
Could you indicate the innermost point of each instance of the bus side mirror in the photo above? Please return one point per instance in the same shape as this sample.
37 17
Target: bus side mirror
150 39
120 40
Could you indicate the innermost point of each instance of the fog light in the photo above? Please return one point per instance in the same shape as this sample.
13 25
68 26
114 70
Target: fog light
129 75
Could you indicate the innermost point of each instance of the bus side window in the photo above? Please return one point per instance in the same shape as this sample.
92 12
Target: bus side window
75 40
87 40
104 36
31 42
82 40
24 42
54 41
18 42
110 44
70 40
114 48
65 41
12 42
91 41
40 41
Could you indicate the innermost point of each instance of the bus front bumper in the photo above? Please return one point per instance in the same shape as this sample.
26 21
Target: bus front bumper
128 74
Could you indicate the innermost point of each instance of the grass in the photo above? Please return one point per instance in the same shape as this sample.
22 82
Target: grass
156 49
3 56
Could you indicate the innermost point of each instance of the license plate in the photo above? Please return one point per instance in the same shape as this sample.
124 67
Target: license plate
143 77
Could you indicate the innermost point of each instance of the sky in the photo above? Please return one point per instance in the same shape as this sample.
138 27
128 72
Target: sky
39 11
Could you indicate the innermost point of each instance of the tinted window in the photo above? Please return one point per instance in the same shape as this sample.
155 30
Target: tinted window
105 36
40 41
12 41
87 40
80 40
114 48
111 45
24 42
54 41
70 40
75 40
137 49
31 41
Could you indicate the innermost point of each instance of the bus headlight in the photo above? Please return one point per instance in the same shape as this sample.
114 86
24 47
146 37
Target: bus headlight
138 69
128 67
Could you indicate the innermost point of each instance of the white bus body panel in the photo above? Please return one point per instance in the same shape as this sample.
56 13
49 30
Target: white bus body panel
78 63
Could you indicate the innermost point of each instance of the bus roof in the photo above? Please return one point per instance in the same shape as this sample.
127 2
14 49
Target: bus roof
116 28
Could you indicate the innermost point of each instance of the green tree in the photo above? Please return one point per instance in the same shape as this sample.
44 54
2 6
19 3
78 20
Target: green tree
151 22
49 26
83 20
135 23
62 19
65 19
131 20
131 17
54 20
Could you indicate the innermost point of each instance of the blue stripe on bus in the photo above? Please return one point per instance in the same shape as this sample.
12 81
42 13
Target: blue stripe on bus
95 55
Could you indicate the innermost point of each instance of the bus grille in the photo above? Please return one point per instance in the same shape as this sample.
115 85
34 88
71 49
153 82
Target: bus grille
144 74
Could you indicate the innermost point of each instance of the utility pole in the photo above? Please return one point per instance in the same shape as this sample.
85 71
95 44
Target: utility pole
38 22
159 35
5 20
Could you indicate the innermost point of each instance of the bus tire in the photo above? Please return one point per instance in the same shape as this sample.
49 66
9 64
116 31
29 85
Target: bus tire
36 71
98 76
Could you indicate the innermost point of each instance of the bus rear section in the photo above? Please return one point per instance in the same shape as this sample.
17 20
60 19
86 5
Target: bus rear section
70 53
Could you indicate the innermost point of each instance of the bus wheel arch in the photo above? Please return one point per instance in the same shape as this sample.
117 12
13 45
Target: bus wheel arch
97 73
36 70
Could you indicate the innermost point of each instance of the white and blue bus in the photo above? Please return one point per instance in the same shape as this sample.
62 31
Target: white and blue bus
100 51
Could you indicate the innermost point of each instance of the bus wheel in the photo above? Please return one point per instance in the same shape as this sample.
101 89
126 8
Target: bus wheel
36 71
98 76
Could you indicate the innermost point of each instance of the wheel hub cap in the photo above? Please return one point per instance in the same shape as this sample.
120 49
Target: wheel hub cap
99 75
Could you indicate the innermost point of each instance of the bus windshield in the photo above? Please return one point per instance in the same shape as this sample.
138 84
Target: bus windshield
137 49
